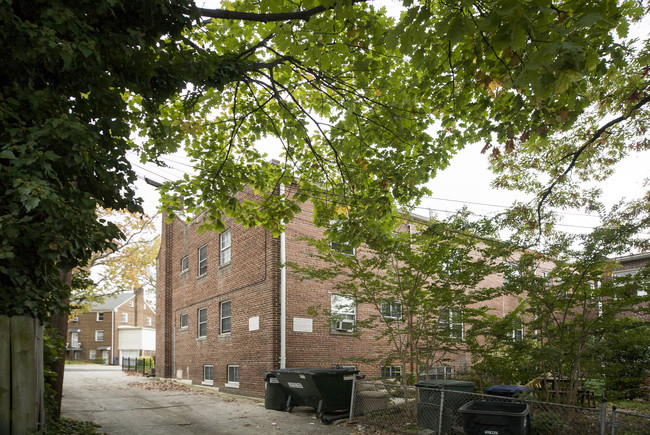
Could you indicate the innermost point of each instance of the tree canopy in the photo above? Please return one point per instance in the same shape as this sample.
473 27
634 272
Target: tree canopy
347 91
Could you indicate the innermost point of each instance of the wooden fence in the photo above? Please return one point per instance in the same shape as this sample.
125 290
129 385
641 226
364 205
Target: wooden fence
22 408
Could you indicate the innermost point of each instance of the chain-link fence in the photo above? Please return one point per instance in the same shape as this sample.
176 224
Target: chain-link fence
404 409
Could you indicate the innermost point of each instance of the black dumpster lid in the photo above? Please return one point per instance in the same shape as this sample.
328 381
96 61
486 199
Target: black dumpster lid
315 371
508 389
444 383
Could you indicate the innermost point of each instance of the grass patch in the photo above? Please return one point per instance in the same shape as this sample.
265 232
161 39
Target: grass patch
638 406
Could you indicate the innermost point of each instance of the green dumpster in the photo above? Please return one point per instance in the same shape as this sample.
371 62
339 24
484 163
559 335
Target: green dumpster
439 403
324 390
275 396
483 417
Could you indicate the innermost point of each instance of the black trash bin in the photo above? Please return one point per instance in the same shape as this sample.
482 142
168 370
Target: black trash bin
495 418
324 390
431 414
508 390
274 395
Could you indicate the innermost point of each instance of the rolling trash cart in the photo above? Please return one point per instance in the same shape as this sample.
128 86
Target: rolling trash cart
325 390
495 418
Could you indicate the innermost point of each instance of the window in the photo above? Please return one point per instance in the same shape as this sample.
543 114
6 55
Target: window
391 372
203 260
344 313
99 335
233 377
144 306
208 375
148 321
518 333
343 248
203 322
125 317
224 239
100 317
225 317
131 304
75 318
93 354
185 264
441 372
77 354
391 310
184 320
451 322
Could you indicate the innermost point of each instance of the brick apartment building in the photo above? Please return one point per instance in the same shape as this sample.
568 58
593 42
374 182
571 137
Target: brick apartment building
630 265
220 316
122 326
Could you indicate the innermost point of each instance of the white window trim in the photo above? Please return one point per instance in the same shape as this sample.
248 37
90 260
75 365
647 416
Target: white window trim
198 322
92 354
149 321
392 307
131 304
204 261
208 381
185 264
343 312
97 331
221 318
125 317
100 315
187 321
225 248
394 372
232 384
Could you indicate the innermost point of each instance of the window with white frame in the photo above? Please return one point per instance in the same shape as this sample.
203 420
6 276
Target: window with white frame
148 321
202 329
100 317
74 318
226 324
184 321
185 264
125 317
208 375
343 248
391 310
99 335
440 372
344 313
451 323
233 376
203 260
391 372
77 354
93 354
131 304
144 306
225 243
518 332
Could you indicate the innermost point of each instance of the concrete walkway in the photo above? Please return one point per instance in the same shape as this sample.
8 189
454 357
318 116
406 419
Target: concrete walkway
124 404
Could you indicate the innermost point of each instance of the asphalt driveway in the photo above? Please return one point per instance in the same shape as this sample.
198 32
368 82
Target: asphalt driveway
124 404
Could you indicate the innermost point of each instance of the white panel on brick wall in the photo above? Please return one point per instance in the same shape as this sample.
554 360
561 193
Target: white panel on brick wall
302 325
254 323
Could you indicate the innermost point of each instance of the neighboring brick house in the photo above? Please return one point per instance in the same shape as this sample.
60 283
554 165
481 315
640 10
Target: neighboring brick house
219 308
122 326
630 265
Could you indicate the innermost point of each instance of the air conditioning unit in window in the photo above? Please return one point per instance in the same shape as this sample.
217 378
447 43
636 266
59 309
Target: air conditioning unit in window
344 325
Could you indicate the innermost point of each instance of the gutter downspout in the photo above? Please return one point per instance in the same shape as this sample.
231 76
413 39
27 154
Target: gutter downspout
112 337
283 296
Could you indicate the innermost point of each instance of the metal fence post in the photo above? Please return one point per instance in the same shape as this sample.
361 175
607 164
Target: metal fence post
613 432
442 406
354 393
603 415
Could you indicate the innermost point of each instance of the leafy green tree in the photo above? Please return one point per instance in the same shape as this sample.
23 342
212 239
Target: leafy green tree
569 304
128 265
424 281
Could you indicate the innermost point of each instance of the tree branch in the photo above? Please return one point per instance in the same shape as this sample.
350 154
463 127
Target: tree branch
305 15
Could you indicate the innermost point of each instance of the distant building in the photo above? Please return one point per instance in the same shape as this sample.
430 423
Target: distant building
630 265
122 326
